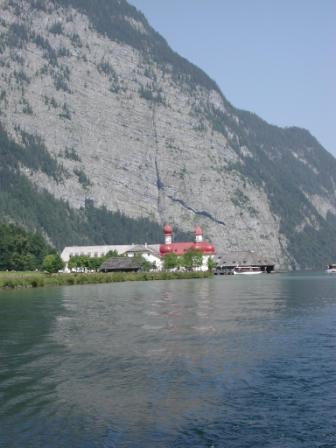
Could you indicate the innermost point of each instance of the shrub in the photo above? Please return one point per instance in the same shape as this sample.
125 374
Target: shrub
52 263
82 177
71 154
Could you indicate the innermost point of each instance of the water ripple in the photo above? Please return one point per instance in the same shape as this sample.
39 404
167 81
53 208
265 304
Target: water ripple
212 363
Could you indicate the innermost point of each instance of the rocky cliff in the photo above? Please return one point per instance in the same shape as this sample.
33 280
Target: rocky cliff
102 108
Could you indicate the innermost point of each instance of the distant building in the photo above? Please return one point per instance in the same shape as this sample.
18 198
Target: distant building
148 252
226 262
179 249
120 264
100 251
154 253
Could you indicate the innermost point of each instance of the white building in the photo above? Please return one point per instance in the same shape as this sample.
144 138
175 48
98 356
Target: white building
154 253
150 252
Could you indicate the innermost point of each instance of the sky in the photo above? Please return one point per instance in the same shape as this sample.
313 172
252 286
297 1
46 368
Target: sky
276 58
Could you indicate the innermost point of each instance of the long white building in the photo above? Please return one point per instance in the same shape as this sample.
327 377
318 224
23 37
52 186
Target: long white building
150 252
154 253
100 251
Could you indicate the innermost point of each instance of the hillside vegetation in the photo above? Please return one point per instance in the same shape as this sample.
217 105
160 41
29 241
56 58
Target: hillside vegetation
21 250
37 209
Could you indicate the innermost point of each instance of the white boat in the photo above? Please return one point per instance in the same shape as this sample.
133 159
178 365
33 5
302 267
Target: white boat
247 270
331 269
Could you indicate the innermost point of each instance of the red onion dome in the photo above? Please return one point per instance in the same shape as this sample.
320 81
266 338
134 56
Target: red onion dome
209 249
205 247
167 229
198 231
166 249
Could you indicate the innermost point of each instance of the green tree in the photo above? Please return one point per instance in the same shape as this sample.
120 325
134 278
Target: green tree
211 264
91 263
79 261
52 263
112 253
94 263
192 259
170 261
21 250
145 264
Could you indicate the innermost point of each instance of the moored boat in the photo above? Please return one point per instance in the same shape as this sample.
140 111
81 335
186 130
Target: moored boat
331 268
247 270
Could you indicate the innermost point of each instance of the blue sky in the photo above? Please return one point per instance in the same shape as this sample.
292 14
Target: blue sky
276 58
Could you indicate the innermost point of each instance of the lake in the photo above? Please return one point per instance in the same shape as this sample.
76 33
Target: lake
230 361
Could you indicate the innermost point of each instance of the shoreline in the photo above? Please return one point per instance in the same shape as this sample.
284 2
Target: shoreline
15 280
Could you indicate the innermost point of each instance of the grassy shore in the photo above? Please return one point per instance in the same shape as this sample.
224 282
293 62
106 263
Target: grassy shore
39 279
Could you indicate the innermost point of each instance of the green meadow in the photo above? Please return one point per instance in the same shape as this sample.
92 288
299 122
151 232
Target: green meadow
11 280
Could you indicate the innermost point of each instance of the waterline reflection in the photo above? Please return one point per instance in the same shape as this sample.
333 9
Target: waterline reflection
177 363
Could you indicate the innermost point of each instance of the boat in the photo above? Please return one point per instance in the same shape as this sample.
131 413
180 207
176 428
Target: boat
247 270
331 268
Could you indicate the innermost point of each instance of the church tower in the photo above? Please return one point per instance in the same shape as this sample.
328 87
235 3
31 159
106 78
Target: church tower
168 234
198 234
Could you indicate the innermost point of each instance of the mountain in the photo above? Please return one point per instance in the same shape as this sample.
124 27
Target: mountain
101 120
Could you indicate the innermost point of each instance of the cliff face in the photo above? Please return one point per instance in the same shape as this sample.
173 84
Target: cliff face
136 128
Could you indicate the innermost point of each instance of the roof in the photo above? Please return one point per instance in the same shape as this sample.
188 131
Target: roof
98 251
244 258
167 229
181 248
143 249
119 264
139 248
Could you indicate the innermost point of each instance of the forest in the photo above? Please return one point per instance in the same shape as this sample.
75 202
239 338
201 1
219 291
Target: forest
21 250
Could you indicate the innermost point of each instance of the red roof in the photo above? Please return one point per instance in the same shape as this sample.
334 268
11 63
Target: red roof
182 248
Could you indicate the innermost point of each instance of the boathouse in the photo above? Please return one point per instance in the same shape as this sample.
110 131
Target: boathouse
226 262
120 264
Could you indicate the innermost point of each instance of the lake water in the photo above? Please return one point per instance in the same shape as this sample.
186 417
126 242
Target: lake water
225 362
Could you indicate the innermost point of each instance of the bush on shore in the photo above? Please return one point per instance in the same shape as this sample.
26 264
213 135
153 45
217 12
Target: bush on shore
38 279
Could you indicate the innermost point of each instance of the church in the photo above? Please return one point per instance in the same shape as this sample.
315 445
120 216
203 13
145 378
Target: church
153 253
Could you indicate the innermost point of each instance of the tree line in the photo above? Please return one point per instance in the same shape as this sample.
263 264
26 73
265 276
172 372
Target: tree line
26 251
192 259
93 263
188 261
